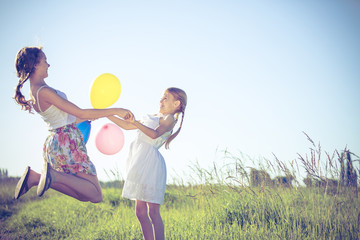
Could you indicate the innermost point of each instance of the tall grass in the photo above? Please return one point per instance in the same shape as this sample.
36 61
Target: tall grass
219 203
261 214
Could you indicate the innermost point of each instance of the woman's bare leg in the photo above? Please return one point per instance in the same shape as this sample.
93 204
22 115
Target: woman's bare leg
32 181
82 186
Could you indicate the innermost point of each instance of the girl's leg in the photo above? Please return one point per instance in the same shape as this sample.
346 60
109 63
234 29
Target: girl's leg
142 215
158 225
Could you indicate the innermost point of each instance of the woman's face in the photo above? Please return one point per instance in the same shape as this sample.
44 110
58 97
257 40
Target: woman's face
42 67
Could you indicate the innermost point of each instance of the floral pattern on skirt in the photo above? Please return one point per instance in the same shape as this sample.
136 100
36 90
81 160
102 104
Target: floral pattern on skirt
66 152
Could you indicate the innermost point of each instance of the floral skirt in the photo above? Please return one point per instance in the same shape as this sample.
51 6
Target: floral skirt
66 152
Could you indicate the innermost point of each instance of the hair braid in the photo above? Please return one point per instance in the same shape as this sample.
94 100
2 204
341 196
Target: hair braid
20 98
25 63
181 96
167 143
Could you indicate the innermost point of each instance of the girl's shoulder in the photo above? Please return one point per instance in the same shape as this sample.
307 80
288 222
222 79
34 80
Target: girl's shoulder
167 118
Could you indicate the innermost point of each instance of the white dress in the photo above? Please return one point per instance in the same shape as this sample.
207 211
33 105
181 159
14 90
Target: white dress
145 173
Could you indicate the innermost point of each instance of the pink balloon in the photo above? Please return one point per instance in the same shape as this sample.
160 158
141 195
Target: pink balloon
110 139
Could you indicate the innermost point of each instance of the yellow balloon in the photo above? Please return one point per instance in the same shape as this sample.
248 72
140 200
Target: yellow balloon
105 91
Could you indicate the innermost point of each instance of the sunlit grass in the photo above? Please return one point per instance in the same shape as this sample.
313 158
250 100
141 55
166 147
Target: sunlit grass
219 204
194 213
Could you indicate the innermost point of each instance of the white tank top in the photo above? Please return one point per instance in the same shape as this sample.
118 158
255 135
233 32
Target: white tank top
53 116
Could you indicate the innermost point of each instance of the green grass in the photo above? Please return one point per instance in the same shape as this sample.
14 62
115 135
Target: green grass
218 204
191 213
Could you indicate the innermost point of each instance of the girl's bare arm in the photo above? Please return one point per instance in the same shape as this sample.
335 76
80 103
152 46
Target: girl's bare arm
165 124
122 123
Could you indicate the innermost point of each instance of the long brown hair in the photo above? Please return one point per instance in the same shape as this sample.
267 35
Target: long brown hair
26 60
179 95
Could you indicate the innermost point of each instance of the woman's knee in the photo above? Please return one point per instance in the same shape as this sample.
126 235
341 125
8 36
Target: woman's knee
97 198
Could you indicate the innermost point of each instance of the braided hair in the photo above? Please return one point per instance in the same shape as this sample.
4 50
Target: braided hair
26 60
179 95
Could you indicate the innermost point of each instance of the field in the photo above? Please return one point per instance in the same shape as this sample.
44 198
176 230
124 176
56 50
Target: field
220 204
201 212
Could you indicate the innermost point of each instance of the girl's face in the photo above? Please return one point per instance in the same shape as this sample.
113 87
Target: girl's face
168 104
41 69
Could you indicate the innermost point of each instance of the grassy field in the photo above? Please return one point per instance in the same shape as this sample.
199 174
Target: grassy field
219 203
192 212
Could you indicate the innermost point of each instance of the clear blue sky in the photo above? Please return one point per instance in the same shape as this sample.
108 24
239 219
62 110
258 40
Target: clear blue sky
257 73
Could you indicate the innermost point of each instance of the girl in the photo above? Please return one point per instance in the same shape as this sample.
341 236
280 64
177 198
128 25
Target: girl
67 167
145 168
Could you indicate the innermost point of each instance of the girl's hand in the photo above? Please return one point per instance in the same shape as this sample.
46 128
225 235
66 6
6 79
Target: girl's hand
124 113
124 124
131 118
128 116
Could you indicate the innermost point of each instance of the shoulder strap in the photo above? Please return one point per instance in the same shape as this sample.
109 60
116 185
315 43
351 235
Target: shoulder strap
37 96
